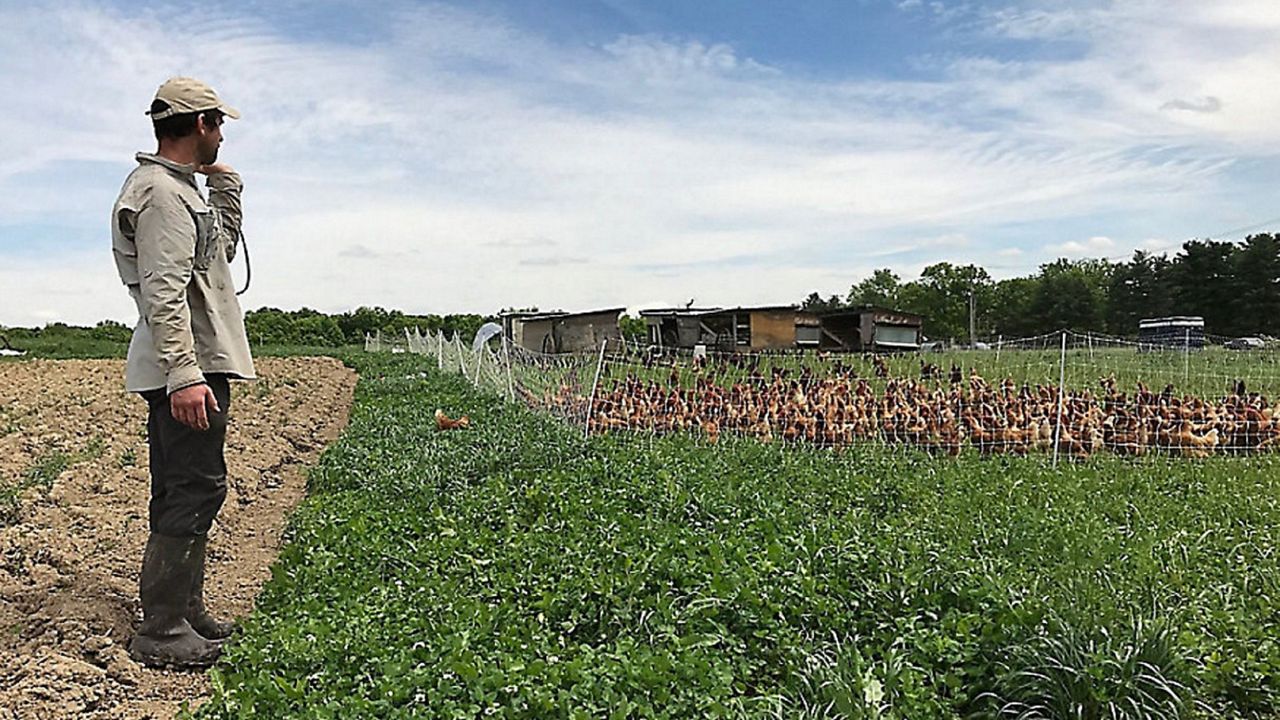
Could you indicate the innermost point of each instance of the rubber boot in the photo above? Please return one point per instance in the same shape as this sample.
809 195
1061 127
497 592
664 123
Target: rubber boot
165 638
199 619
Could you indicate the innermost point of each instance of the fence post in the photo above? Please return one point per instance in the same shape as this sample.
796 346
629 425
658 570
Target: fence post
999 345
1062 396
591 401
462 361
439 339
506 354
1186 358
479 353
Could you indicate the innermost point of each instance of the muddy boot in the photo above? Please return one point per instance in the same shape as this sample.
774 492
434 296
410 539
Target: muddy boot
200 620
165 639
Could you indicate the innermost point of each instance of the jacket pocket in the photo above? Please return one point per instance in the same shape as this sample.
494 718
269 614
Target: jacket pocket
206 237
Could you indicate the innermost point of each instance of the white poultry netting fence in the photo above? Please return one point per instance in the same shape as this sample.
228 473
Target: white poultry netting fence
1122 397
559 384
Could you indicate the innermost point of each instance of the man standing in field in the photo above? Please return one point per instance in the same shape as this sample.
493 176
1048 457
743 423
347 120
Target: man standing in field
173 250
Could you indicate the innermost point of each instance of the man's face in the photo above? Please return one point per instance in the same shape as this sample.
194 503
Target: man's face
210 138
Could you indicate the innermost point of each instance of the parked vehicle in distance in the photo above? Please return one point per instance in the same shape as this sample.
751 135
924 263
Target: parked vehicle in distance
1244 343
943 346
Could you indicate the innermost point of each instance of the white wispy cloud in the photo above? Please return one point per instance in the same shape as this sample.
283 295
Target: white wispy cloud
457 162
1098 246
1159 246
1053 22
1146 60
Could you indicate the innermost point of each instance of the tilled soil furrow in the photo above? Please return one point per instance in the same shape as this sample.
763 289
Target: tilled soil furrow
71 541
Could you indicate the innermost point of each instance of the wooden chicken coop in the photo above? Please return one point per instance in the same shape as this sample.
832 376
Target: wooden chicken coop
872 329
562 332
742 329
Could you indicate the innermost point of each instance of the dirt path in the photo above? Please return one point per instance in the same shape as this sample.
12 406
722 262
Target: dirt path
71 545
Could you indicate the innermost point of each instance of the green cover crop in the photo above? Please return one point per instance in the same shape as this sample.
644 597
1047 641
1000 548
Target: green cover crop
515 570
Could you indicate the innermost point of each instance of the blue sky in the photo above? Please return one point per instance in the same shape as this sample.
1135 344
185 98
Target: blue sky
441 157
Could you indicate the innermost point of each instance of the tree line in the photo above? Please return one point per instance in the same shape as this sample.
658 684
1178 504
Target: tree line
1234 286
265 326
271 326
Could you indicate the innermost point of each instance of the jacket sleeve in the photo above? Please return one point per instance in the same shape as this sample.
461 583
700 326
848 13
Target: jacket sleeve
224 196
166 241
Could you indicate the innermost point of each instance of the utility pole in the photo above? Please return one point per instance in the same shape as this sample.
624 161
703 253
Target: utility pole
972 305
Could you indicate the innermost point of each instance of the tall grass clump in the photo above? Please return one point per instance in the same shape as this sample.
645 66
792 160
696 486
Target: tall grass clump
1098 675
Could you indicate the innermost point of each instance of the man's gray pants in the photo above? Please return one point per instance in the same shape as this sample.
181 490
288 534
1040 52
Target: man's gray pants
188 469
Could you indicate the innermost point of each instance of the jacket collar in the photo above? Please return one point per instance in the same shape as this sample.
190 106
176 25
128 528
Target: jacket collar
186 172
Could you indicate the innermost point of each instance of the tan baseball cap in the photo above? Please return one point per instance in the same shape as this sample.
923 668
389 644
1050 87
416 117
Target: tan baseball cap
188 95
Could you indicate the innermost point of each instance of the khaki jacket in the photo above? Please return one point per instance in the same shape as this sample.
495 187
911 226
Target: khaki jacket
173 251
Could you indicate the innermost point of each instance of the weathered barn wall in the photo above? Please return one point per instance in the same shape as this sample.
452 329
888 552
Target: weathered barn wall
690 331
773 330
584 333
531 334
884 317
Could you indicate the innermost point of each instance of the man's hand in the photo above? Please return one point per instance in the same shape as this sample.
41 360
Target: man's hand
214 169
189 404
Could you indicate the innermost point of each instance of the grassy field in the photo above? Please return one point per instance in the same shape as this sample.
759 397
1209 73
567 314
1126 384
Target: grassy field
514 570
83 345
64 343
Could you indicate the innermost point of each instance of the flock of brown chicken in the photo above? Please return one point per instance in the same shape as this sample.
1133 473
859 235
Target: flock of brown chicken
940 415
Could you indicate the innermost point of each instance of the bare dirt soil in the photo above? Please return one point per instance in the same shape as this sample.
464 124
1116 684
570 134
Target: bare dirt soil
71 542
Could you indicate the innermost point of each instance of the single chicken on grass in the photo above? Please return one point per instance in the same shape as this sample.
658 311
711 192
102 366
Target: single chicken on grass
444 422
